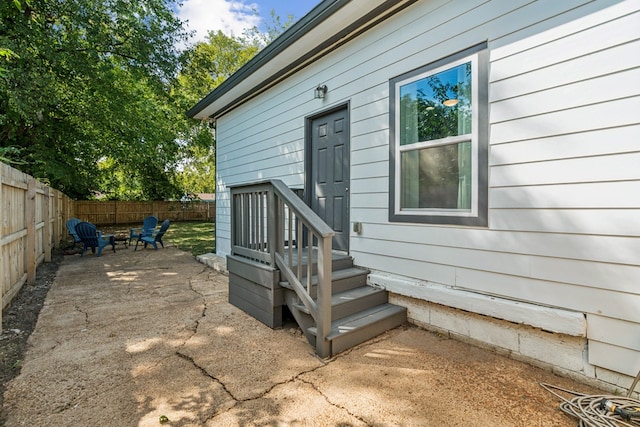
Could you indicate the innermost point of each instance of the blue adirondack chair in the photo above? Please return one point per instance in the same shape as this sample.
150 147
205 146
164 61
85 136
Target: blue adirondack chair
92 238
148 227
71 227
156 236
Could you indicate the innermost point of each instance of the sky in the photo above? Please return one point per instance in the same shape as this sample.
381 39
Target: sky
233 16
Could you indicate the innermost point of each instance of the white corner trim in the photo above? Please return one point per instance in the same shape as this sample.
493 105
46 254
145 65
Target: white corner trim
547 318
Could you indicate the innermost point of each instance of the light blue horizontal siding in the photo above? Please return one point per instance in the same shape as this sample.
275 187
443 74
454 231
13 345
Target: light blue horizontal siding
564 178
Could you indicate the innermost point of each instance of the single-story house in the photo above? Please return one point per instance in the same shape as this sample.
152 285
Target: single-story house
479 159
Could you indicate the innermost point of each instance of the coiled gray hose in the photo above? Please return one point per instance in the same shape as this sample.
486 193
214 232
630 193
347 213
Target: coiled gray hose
600 410
633 386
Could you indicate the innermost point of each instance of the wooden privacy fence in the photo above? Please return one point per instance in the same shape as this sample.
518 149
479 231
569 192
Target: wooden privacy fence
126 212
32 223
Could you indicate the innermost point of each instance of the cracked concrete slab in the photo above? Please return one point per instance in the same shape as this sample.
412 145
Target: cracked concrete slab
245 355
292 404
148 338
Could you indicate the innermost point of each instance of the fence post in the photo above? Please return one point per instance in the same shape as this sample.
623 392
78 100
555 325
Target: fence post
2 225
56 219
30 205
46 231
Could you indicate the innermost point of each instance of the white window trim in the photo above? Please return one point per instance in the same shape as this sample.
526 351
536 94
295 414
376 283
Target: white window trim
477 215
443 141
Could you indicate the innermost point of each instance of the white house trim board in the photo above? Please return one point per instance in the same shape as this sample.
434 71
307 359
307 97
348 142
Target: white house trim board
297 48
546 318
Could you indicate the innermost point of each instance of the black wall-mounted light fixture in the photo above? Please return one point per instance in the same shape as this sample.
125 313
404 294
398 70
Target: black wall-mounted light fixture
320 91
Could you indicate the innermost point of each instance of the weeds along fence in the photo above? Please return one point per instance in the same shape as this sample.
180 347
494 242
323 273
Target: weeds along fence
32 224
128 212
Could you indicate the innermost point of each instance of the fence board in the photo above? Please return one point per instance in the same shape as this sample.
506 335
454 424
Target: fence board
32 217
132 212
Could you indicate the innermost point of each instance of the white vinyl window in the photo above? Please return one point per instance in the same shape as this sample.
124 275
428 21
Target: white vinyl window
438 148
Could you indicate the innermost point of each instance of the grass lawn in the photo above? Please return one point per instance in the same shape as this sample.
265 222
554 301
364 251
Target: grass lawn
195 237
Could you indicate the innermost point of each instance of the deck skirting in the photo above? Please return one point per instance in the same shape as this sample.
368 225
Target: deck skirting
253 288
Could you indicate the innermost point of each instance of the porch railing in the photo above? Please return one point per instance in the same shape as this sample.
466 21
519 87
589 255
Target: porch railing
271 224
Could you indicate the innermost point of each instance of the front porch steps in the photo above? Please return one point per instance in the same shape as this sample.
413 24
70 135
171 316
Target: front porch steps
359 312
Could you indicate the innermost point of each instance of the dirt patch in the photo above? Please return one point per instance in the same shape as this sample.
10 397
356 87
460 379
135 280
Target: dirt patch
20 318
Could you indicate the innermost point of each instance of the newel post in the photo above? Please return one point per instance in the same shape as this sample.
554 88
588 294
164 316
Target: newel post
274 234
234 208
323 346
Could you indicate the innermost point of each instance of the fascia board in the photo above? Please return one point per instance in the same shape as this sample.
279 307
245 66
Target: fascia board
311 36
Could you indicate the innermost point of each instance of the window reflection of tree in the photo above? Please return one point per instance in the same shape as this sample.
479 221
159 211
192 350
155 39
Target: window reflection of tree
427 118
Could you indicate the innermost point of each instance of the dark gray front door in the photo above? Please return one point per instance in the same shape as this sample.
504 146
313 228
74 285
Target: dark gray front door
330 173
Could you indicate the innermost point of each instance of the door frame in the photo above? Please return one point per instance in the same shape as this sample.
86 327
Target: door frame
346 106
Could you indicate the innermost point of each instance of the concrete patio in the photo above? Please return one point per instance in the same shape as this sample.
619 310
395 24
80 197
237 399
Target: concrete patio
147 338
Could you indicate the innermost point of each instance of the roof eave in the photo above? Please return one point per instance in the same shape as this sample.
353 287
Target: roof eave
316 16
275 63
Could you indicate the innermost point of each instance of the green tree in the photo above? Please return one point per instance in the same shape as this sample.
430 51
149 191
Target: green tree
204 67
93 95
88 85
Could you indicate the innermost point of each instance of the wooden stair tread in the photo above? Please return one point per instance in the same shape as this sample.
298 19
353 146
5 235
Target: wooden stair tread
359 312
336 257
359 320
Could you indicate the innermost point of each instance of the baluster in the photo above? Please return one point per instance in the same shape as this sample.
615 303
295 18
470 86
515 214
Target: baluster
261 222
299 251
281 211
310 260
289 228
245 220
272 227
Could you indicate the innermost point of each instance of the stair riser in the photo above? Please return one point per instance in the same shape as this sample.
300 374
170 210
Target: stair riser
343 284
347 283
342 308
363 334
336 264
347 308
